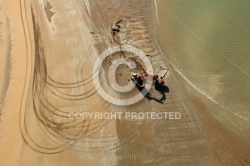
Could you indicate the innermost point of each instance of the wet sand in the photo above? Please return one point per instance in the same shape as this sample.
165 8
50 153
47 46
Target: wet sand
51 75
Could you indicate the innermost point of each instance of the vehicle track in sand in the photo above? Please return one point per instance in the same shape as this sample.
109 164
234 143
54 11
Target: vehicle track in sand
61 131
49 96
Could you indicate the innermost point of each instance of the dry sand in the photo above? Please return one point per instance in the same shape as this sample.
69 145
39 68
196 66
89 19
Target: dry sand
46 62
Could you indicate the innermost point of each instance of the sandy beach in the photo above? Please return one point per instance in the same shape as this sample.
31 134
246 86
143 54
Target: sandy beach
49 51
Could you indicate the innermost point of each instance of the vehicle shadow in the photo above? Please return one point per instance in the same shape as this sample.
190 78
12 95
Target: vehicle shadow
161 89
